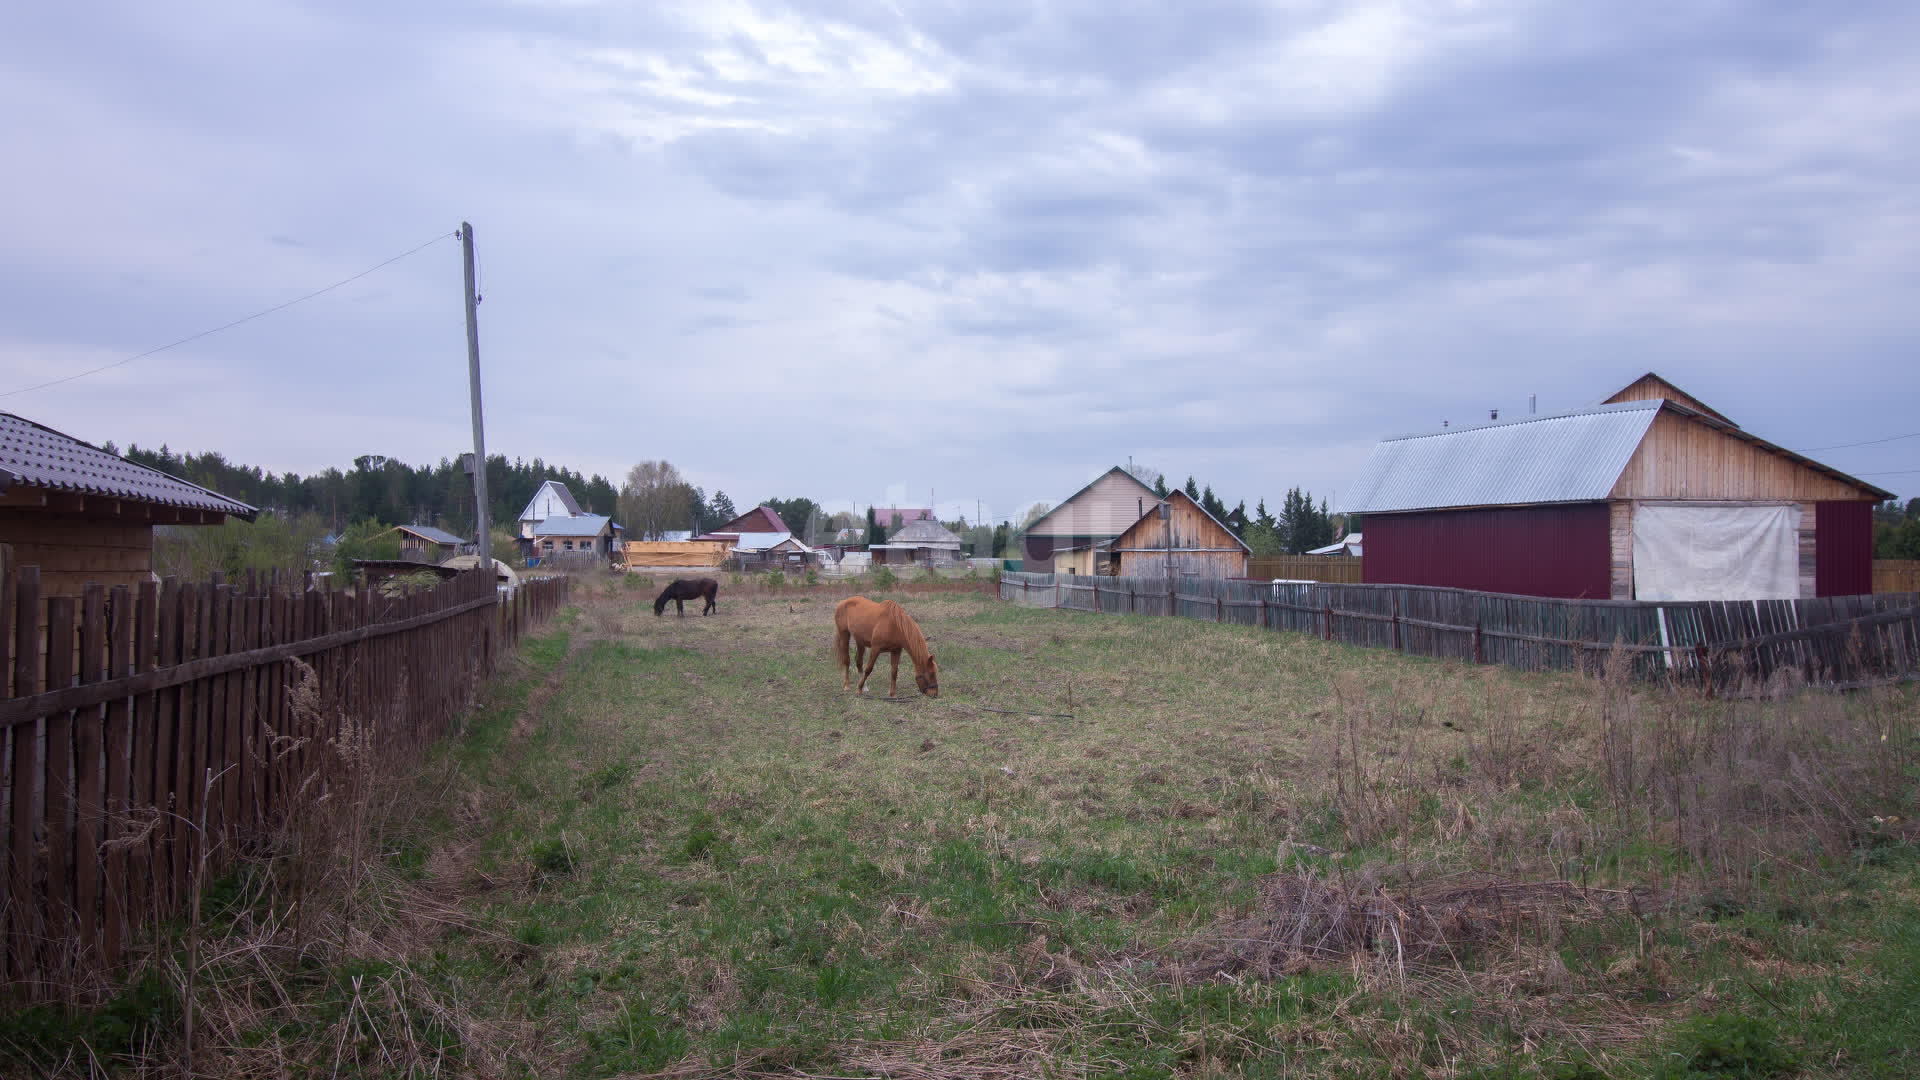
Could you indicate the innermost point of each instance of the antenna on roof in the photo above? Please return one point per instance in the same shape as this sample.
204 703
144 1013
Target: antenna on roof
1530 402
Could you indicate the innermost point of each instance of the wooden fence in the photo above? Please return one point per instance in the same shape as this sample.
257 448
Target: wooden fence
1896 575
1337 569
150 732
1834 641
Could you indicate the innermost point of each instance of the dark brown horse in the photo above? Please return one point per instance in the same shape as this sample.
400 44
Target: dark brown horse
684 589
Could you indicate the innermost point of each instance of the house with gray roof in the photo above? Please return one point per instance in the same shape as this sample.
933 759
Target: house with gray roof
594 534
424 543
924 542
83 515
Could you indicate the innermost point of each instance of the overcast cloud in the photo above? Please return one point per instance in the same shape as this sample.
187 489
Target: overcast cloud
861 250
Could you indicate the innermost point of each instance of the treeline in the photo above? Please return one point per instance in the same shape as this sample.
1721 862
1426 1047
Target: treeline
381 488
1896 530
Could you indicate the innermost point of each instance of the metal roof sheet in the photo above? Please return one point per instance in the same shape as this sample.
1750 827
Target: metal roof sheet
760 541
39 456
581 525
438 536
924 531
1569 457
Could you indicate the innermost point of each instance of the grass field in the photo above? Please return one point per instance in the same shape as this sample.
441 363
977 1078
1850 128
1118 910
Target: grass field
1113 846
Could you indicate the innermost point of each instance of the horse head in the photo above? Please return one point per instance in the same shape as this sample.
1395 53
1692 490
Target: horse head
660 605
928 678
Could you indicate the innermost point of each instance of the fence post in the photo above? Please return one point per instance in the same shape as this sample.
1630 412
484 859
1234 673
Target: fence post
1476 642
1172 607
1706 676
1327 626
1396 621
1129 596
1219 608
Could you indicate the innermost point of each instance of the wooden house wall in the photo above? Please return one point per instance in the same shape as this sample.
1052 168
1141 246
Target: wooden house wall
1681 458
1653 388
1200 544
74 549
1106 508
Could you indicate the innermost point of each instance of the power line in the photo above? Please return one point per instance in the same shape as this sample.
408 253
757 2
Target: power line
1869 442
207 333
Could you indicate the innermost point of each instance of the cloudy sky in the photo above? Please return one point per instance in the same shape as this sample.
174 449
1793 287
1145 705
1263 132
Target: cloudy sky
862 250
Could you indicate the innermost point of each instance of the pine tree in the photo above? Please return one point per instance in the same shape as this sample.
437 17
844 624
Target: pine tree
1192 489
1160 486
875 535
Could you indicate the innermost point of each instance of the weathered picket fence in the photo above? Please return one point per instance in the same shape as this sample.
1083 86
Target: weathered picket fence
1833 641
149 735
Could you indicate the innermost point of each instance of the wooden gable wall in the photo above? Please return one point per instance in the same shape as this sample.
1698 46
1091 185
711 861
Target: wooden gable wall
1105 508
1682 458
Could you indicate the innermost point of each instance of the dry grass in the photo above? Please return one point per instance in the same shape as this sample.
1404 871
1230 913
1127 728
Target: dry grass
1112 845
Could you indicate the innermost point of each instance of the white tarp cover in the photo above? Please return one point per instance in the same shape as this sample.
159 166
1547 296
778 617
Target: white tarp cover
1716 552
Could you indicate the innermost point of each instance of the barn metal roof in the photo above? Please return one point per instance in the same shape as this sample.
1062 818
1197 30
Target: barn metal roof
924 532
761 541
38 456
579 525
428 532
1569 457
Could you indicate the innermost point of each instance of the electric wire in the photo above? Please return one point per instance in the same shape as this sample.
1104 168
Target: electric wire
228 326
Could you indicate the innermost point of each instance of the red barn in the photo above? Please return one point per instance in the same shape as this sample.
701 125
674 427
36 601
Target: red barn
1650 495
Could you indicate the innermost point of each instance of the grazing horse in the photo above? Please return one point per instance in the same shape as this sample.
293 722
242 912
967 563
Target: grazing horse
884 627
684 589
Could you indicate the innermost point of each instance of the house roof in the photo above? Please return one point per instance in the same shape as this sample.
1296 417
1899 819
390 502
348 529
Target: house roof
1069 499
1347 545
1569 457
883 515
579 525
758 519
761 541
566 500
924 533
37 456
431 534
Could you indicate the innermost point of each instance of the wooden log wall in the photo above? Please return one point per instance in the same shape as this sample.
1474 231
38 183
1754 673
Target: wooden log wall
1727 646
151 733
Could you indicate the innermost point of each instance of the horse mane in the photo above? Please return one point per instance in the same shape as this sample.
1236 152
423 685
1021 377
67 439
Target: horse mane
910 635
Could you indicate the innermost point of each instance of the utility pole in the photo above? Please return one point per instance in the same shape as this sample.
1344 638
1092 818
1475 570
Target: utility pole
473 380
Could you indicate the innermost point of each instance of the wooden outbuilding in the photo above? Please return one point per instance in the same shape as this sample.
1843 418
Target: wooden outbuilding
84 515
1181 541
424 543
1073 537
1650 495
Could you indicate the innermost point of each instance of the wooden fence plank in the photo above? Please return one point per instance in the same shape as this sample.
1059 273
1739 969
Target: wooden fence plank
57 780
89 733
24 922
117 738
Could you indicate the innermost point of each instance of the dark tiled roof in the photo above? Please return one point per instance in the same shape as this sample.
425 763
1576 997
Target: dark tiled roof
42 457
758 519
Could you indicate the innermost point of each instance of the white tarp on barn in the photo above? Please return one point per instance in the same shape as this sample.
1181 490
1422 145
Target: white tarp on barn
1716 552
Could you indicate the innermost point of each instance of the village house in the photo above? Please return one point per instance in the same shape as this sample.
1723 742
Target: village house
83 515
1072 538
925 542
424 543
1181 541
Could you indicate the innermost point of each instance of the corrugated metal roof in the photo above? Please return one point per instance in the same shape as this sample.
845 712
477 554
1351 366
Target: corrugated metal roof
1570 457
760 541
438 536
923 531
582 525
39 456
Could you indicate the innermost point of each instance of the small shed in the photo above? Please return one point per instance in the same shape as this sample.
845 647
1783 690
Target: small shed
424 543
925 542
1073 537
1649 495
83 515
772 551
1182 541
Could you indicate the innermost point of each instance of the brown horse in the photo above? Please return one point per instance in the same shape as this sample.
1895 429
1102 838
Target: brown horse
684 589
884 627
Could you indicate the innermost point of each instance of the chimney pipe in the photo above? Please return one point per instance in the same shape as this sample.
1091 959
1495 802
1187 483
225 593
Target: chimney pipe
1493 414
